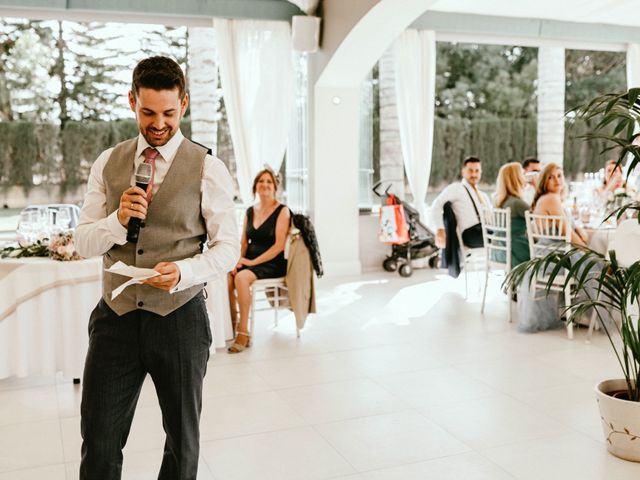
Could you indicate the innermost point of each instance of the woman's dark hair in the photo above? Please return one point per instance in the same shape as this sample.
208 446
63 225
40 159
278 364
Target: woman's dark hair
273 176
158 73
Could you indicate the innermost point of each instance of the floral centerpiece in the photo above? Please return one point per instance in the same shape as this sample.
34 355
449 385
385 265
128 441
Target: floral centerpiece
618 198
59 247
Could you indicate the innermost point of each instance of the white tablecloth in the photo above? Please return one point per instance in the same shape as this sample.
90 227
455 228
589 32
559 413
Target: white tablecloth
600 238
219 316
44 312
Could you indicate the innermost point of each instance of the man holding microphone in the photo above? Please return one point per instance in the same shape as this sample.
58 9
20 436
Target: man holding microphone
159 327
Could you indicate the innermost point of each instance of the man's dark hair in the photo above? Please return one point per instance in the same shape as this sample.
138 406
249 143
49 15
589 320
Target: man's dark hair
158 73
470 160
528 161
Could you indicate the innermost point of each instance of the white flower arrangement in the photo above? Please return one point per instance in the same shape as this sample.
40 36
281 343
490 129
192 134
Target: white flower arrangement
59 247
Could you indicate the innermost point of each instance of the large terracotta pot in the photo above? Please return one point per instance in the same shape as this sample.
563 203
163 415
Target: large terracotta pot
620 420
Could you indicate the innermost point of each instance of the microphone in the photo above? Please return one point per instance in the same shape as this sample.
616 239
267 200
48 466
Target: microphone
143 177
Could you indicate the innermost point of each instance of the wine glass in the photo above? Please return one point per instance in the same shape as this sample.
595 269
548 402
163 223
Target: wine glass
63 219
27 227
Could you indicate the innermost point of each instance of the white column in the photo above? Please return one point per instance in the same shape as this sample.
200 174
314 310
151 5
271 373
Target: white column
633 65
391 161
355 35
335 192
203 86
633 81
551 88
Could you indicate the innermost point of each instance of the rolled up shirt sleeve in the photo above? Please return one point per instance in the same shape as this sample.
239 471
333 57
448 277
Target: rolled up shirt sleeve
223 242
97 231
438 203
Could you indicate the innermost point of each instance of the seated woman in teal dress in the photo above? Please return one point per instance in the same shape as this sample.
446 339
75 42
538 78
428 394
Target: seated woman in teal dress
509 190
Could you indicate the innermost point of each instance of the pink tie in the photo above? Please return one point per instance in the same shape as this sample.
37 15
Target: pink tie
150 155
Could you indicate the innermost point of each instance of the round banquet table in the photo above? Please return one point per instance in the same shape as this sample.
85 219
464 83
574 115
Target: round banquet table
600 238
219 314
44 312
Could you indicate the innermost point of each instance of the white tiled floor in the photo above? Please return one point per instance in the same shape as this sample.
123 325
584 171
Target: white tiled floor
394 379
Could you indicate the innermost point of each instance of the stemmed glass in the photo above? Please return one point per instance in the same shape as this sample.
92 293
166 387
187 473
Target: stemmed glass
63 219
27 228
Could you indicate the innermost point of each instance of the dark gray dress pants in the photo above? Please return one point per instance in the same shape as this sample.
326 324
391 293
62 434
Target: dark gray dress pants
174 350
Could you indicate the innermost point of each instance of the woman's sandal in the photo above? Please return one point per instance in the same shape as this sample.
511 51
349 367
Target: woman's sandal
238 347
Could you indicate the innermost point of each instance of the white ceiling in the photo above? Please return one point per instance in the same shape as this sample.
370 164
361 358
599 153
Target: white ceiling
614 12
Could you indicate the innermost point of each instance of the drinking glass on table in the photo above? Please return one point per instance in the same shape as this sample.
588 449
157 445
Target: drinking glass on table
585 215
27 227
43 222
63 219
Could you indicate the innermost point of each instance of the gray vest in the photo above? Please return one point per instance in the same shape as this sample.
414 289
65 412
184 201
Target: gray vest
173 230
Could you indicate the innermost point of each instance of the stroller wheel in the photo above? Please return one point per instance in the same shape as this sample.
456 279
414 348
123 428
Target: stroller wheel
433 261
405 270
390 264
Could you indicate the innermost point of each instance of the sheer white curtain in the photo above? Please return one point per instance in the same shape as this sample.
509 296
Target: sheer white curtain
257 81
415 68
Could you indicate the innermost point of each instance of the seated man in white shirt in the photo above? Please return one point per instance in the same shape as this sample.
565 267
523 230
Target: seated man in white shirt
531 167
466 202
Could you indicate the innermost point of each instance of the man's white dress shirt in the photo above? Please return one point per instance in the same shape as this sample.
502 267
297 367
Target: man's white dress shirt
528 192
455 193
97 232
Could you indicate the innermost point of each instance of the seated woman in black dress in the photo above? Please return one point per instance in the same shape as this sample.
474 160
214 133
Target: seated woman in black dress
264 233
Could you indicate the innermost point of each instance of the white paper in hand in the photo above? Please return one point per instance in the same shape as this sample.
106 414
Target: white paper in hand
137 275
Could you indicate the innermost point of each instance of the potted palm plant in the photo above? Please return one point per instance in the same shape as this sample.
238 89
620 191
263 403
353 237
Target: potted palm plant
606 284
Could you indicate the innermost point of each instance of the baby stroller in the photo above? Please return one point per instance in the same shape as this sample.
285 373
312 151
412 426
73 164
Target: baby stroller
421 243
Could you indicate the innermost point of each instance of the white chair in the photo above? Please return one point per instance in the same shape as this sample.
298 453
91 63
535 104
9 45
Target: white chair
275 296
496 234
470 257
547 233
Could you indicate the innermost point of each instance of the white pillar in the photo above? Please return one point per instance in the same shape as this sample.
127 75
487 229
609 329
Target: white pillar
391 161
633 81
355 35
203 85
633 65
335 192
551 87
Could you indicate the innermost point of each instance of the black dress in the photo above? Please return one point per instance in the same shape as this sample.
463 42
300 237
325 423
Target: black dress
259 240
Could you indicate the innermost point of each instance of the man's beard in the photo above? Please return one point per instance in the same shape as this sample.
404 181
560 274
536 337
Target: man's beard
150 137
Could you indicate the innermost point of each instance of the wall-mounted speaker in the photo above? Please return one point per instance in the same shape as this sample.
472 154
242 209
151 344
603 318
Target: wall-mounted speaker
305 33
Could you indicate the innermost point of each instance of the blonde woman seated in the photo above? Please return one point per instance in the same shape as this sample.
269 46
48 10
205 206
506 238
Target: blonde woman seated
509 191
548 200
541 310
264 234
